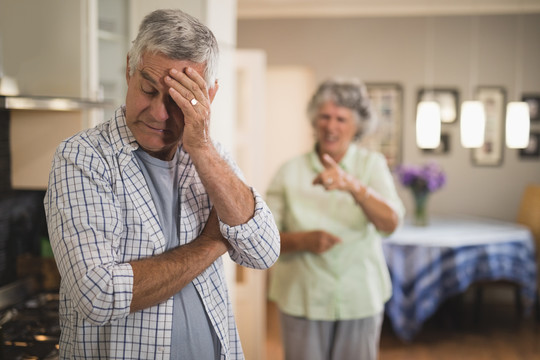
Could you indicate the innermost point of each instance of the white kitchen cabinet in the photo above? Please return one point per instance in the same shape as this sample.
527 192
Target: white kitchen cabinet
113 45
62 49
45 49
45 46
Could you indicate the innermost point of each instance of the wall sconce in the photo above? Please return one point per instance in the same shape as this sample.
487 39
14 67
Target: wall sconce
428 125
517 125
472 124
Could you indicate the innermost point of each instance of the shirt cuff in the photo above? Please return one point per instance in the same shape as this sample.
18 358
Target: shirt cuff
253 225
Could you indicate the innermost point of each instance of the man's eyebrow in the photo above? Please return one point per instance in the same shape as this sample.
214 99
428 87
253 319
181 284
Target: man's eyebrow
147 76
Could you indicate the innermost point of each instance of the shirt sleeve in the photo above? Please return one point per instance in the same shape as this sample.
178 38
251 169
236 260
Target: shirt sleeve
85 223
382 181
256 244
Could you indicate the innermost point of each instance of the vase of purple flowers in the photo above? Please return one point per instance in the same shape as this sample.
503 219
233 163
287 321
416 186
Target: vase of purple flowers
422 180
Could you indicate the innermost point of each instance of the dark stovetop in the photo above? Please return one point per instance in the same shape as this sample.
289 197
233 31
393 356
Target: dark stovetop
31 329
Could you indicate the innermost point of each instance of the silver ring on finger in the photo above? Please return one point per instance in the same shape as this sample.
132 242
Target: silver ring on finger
194 102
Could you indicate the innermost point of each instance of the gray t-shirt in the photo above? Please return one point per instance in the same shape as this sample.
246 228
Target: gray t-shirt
193 336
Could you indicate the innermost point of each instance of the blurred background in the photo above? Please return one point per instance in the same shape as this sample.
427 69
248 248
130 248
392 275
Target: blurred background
273 54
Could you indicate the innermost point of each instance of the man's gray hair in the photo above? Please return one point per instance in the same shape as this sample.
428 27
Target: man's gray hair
178 36
349 93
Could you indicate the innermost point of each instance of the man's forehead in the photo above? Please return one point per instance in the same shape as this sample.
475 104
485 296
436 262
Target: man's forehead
158 65
152 68
151 74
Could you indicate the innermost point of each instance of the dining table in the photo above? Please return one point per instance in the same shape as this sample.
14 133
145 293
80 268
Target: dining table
430 264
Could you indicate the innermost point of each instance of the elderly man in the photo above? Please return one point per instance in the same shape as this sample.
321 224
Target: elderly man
141 208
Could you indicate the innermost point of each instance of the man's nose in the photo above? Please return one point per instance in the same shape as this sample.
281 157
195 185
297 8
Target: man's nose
159 110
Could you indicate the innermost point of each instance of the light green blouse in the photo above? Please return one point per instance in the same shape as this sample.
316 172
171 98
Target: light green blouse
351 280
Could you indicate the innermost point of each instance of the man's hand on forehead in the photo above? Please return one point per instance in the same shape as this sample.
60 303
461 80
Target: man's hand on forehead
188 90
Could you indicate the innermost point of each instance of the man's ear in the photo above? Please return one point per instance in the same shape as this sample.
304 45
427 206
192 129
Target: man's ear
212 91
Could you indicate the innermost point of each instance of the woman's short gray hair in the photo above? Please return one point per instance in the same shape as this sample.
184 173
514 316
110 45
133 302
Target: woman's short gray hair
178 36
349 93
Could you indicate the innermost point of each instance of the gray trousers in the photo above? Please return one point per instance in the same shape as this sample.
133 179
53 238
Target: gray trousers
305 339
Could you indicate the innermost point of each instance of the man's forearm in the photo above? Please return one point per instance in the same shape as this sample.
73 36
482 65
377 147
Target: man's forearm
231 197
158 278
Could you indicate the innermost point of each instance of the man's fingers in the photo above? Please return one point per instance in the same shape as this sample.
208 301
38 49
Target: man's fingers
189 85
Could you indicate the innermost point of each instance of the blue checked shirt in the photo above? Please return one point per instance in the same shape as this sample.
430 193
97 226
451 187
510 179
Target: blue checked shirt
101 216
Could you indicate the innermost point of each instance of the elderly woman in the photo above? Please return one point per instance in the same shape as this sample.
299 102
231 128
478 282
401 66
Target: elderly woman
332 206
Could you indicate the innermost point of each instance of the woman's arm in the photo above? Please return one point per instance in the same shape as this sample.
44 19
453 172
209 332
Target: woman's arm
317 241
377 209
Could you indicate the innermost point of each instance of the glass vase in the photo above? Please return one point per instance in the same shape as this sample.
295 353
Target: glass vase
421 217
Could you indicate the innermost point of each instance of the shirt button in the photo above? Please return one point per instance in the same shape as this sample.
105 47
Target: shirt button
160 349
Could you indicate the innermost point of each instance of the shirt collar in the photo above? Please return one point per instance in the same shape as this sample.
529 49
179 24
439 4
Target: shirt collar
121 135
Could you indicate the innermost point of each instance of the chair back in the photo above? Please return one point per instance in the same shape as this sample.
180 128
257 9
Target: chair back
529 212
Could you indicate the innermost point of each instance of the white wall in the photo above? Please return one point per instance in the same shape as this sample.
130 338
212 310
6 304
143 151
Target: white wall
393 49
286 134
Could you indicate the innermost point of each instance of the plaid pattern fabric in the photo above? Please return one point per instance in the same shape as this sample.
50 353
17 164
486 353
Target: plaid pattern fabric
101 216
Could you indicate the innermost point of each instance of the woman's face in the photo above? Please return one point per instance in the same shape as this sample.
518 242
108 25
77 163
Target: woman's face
335 127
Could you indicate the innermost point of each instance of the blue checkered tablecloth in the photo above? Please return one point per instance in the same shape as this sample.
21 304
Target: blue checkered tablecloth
429 265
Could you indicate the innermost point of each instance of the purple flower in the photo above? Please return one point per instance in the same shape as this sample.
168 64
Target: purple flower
422 179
